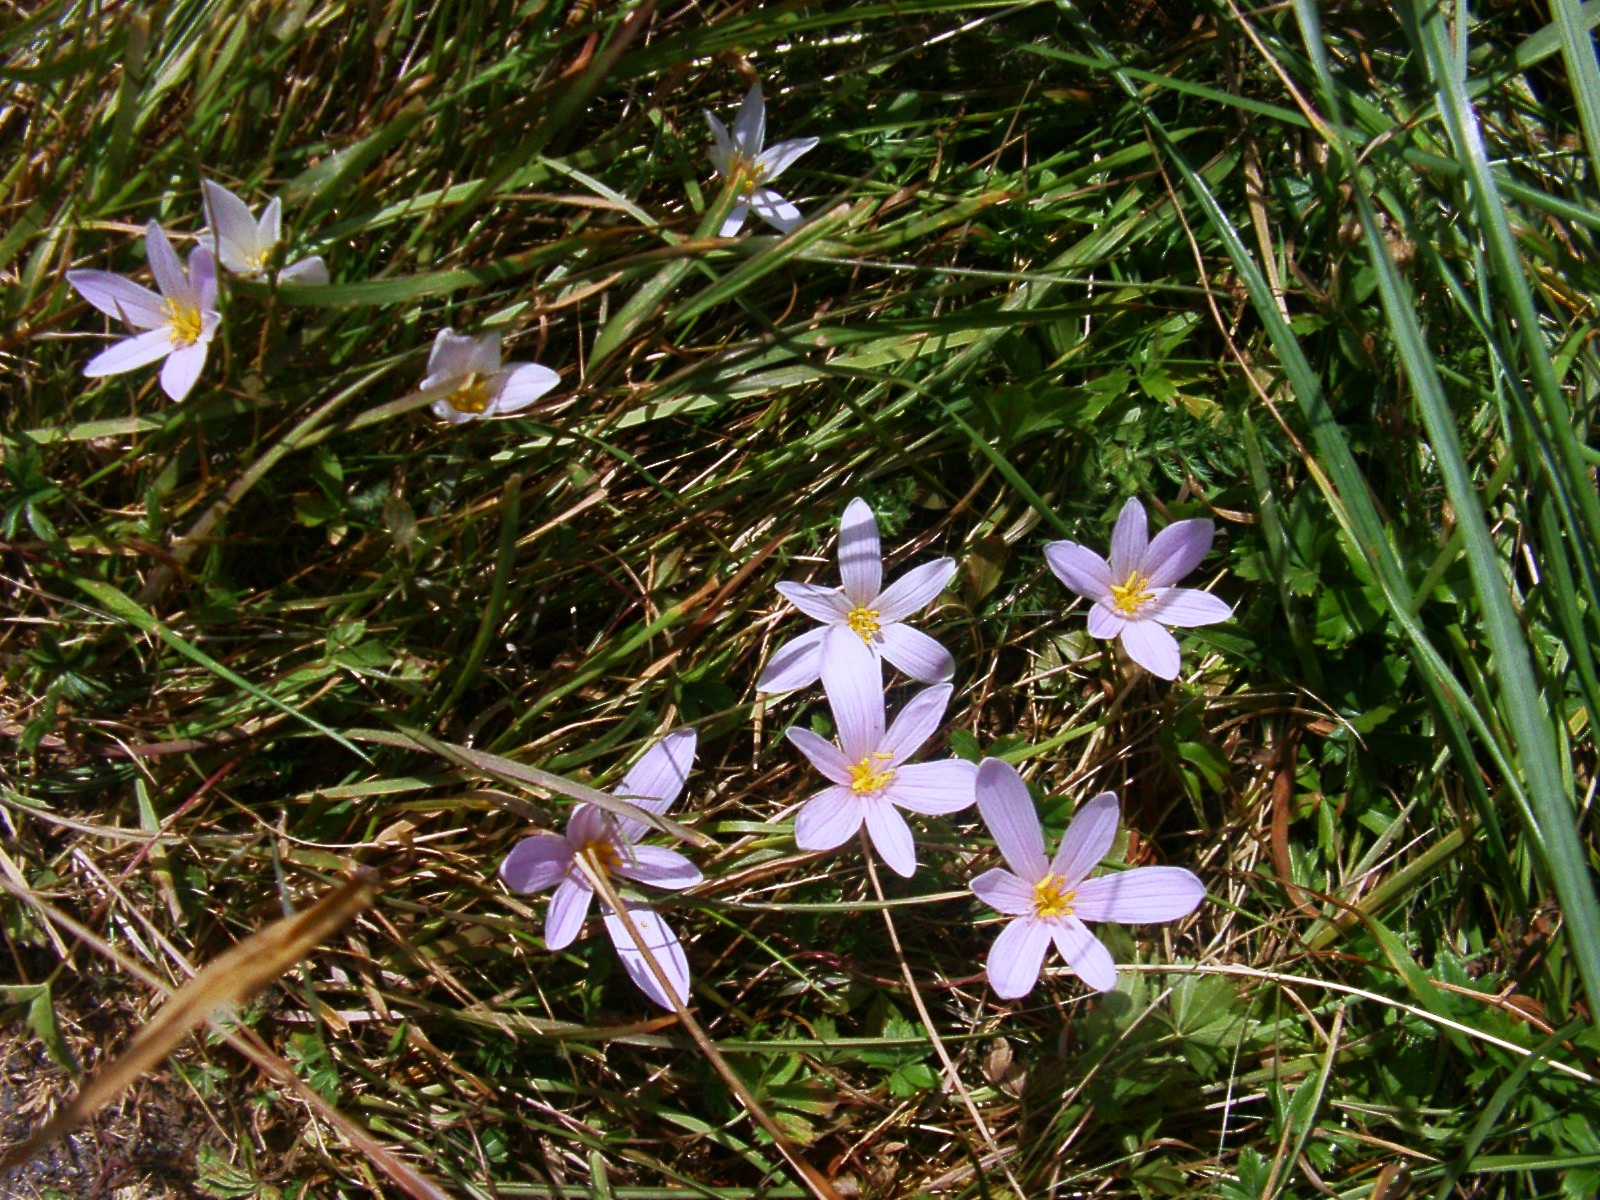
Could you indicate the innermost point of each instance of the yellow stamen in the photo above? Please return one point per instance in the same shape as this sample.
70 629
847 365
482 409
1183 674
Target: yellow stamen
602 854
867 776
864 621
746 174
1131 595
471 395
183 322
1050 900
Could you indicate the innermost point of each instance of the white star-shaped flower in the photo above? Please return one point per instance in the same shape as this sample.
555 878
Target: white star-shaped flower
739 158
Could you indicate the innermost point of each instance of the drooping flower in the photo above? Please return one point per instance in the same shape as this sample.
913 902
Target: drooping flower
611 844
1051 899
176 325
863 605
739 157
867 768
479 384
244 245
1133 594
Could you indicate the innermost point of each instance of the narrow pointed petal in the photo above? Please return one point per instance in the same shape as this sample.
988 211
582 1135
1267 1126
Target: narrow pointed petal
203 281
656 781
734 220
721 145
915 653
664 946
537 863
914 724
659 867
1087 840
450 354
1085 954
1129 539
165 266
307 271
1016 957
1152 647
117 297
775 210
860 557
1104 621
915 590
1007 809
891 838
775 160
824 604
271 227
522 385
130 354
1004 892
563 920
827 758
795 664
853 681
750 126
182 368
1176 551
1139 896
233 229
934 788
1187 607
828 819
1080 568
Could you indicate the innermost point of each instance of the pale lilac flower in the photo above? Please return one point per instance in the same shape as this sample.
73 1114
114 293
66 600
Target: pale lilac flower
480 386
177 325
740 158
1133 594
874 612
1051 899
244 245
548 860
868 767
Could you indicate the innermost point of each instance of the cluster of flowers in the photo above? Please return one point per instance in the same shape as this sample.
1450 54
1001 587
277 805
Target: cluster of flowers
871 778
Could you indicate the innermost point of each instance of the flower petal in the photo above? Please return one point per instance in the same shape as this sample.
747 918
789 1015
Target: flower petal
775 160
891 837
795 664
590 823
825 604
823 754
117 297
450 355
853 681
914 724
270 227
1139 896
1129 539
665 948
522 384
446 411
1004 892
828 819
915 590
1176 551
1152 647
537 863
484 357
775 210
1087 840
915 653
1104 621
1085 954
308 271
1080 568
934 788
1007 809
203 279
563 920
721 144
860 558
750 126
656 781
1016 956
130 353
658 866
734 221
181 369
233 229
1187 607
164 264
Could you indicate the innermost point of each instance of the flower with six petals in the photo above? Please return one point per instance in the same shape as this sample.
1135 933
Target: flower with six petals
244 245
477 383
740 159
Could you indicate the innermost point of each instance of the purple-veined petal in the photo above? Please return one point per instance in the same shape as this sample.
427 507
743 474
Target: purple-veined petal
775 210
665 948
1085 954
822 754
1007 809
1141 895
853 680
203 279
305 272
734 221
1087 840
589 823
657 866
1187 607
130 353
915 590
860 557
934 788
828 819
522 384
165 266
915 653
825 604
449 357
569 905
1104 621
656 781
1080 568
1004 892
914 724
1176 551
750 126
1016 956
122 298
182 368
1129 539
721 144
233 229
891 837
537 863
795 664
775 160
1152 647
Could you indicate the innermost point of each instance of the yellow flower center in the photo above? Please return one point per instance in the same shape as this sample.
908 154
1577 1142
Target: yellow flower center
864 621
746 174
183 322
602 854
1129 596
1050 900
868 776
471 394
